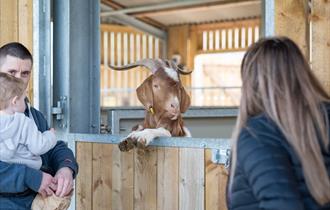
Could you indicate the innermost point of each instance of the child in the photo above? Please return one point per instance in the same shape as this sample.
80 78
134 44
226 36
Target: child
20 140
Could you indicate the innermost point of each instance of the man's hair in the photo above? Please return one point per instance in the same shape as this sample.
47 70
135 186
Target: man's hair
10 87
14 49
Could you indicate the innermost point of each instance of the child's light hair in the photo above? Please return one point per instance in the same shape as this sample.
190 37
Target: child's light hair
10 87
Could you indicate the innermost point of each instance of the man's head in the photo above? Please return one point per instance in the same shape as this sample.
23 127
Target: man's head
16 60
12 93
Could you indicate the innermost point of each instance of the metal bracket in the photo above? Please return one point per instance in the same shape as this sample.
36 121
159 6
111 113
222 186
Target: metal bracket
221 156
58 110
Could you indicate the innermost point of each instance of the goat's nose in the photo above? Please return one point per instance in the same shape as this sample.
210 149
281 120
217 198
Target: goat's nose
174 106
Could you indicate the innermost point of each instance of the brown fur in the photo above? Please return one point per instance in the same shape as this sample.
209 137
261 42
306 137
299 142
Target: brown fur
161 117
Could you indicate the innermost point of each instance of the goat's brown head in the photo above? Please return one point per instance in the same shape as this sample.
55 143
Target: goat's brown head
162 92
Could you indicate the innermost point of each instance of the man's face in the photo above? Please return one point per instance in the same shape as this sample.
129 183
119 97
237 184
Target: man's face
17 67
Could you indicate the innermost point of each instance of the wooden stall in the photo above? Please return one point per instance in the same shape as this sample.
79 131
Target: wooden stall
156 178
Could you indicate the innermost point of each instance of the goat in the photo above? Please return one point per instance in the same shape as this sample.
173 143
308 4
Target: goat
164 99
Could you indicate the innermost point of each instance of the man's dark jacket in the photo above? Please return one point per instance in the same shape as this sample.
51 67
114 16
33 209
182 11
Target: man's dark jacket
19 184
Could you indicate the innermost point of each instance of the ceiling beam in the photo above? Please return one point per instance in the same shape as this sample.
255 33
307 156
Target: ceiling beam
171 6
116 6
134 22
205 6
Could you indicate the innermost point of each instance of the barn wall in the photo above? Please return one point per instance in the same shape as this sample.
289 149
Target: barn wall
16 25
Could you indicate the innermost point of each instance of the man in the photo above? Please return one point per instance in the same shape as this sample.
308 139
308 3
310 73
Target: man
19 184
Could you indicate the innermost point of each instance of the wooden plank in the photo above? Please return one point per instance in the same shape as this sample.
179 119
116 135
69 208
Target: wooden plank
8 21
102 176
122 179
178 43
145 179
84 179
118 28
291 21
227 24
215 184
320 48
25 31
191 181
25 23
167 179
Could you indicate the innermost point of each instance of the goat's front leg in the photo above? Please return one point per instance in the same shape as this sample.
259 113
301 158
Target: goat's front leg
129 143
146 136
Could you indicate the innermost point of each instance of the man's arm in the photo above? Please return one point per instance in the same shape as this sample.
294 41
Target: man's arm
61 156
16 178
58 157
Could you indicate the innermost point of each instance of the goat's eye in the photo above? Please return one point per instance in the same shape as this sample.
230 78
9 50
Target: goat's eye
156 86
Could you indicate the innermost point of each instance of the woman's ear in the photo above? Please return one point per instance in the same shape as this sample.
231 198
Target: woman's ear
144 93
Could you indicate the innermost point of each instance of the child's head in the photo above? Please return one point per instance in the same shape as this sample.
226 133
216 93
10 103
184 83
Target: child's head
12 93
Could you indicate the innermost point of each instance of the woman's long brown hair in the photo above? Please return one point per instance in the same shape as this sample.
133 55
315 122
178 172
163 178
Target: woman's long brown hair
278 81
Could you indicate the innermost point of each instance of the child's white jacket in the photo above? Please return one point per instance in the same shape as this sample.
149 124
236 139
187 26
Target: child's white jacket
21 141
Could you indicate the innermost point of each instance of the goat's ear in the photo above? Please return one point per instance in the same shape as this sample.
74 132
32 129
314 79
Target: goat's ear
185 100
144 93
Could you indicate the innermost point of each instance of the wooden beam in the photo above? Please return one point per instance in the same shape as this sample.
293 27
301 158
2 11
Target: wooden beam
320 49
112 4
117 6
291 20
227 24
194 8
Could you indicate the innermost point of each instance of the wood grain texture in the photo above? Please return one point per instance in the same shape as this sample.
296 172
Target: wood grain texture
145 179
320 48
122 179
291 20
8 21
215 184
102 176
84 197
191 181
167 179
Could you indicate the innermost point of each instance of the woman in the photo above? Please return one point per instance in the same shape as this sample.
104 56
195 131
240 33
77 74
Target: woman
281 156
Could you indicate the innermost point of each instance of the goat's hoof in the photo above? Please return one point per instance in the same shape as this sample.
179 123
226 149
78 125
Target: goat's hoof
126 145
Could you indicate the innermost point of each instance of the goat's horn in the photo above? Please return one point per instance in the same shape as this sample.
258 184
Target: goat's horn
152 64
178 68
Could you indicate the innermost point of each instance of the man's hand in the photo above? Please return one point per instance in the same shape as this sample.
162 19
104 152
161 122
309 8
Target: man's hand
44 188
64 181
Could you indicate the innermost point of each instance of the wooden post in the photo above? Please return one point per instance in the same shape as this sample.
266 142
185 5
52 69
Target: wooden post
16 24
178 39
291 20
320 48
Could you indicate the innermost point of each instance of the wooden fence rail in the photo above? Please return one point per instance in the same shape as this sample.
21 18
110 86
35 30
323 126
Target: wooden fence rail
159 178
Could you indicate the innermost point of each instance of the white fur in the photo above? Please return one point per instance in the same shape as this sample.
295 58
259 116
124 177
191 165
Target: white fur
172 74
186 131
147 135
